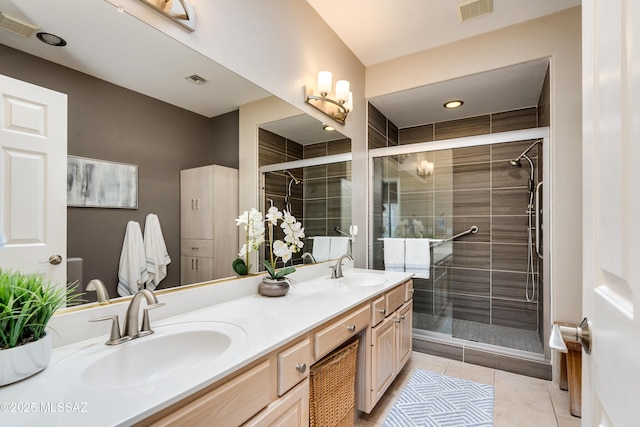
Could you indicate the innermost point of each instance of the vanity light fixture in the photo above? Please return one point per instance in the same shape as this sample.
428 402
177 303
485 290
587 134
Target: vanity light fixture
338 105
51 39
17 26
179 11
425 168
453 104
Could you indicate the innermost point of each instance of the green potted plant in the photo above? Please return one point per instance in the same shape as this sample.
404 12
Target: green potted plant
275 284
27 303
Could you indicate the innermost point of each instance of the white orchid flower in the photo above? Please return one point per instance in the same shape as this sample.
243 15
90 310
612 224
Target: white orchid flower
273 215
243 219
288 218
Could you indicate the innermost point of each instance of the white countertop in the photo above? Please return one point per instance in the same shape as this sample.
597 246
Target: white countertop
59 397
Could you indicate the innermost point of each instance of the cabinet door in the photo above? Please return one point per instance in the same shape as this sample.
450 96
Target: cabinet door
291 410
383 357
404 325
224 212
195 269
196 192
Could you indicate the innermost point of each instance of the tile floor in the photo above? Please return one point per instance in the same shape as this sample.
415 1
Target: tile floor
520 401
503 336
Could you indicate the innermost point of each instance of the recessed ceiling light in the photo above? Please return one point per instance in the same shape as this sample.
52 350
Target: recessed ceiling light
453 104
51 39
328 128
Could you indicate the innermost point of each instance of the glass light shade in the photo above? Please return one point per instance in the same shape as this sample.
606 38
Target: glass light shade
342 90
349 104
324 81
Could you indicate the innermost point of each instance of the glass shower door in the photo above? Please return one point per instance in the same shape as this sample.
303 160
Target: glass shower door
412 200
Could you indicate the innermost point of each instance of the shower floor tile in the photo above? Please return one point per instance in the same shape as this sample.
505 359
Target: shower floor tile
502 336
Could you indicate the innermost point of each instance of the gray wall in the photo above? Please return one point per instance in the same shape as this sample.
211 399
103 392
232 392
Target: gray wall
108 122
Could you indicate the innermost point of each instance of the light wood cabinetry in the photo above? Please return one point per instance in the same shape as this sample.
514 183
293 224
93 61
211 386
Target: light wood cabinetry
232 403
383 357
292 410
208 209
340 330
391 343
293 365
274 391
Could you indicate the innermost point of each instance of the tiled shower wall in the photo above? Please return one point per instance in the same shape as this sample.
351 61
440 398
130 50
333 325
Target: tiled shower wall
327 190
273 149
322 201
486 273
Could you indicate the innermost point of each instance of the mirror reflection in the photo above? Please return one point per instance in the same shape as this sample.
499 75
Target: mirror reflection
161 130
309 177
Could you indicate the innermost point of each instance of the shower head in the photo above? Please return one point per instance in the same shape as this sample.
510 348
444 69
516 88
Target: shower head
515 162
295 180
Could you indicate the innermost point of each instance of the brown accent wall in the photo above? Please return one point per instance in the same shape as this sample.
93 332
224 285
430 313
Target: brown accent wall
109 122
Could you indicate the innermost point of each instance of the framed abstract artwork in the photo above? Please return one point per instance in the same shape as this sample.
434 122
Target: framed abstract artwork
101 184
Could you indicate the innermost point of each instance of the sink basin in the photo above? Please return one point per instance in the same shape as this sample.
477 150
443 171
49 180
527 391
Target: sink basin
360 279
172 350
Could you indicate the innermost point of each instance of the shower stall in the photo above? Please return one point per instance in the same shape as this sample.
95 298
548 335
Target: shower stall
482 203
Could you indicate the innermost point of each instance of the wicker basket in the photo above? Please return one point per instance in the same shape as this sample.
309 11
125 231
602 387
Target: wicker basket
332 388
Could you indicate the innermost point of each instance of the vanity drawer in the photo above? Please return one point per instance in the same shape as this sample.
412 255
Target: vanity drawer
378 311
394 299
408 286
341 330
196 247
232 403
293 365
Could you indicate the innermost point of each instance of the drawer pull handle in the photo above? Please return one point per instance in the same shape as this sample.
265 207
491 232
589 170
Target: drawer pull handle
383 311
194 248
402 317
351 328
398 320
301 367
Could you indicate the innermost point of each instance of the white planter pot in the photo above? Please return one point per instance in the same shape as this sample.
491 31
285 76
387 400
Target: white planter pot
25 360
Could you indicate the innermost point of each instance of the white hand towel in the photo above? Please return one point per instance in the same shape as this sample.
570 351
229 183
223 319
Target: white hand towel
393 254
417 257
339 246
321 247
132 271
156 252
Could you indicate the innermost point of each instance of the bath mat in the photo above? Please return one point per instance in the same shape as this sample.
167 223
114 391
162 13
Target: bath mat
435 400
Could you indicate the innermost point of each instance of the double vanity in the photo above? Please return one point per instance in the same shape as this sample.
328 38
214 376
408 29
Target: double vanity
221 354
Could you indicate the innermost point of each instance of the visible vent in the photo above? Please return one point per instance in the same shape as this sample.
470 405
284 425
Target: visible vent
16 26
196 79
472 8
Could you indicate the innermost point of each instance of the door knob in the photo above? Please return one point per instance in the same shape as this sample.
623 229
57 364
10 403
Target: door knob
53 260
581 334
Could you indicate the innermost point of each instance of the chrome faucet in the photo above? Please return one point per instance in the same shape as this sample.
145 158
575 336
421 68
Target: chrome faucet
308 255
336 272
131 318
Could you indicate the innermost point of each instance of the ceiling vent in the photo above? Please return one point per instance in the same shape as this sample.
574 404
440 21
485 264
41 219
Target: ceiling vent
196 79
472 8
16 26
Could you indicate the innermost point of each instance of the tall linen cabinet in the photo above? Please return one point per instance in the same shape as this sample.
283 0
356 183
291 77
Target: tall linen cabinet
208 231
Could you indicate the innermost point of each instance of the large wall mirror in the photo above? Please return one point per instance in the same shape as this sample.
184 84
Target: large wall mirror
134 105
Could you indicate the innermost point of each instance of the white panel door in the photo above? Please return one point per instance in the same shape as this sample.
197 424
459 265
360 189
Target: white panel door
611 199
33 169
